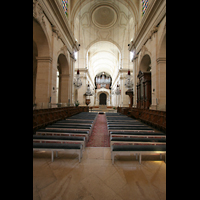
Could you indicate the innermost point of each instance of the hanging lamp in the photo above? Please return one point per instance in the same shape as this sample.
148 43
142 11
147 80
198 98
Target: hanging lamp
77 79
117 91
129 80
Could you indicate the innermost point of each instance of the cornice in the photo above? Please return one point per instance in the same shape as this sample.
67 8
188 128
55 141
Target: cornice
44 59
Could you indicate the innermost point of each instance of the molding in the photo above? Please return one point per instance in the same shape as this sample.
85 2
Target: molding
161 60
44 59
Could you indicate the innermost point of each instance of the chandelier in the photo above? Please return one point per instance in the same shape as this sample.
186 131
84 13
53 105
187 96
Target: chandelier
88 92
117 91
129 81
77 80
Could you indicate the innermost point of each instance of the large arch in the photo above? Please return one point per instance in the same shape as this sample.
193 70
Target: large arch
105 91
144 94
103 56
41 66
103 99
64 79
41 40
145 64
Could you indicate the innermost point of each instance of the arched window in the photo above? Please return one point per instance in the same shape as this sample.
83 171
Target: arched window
65 4
144 6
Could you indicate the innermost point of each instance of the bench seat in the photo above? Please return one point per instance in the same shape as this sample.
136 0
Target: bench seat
49 138
63 132
75 148
69 126
126 125
73 123
67 129
137 149
137 140
137 134
131 128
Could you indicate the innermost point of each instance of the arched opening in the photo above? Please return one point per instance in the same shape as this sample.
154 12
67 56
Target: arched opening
41 65
40 38
58 85
145 65
62 79
102 99
144 98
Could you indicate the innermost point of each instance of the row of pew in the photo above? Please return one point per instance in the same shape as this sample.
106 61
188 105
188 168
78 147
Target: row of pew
154 118
44 117
129 136
70 134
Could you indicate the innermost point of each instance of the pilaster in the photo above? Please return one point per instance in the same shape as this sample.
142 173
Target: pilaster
43 80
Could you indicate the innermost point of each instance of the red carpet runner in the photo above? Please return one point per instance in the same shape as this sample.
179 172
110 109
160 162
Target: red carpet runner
99 136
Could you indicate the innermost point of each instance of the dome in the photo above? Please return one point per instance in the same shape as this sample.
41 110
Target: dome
104 16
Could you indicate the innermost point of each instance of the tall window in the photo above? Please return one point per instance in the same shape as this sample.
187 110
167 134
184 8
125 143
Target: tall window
144 6
65 6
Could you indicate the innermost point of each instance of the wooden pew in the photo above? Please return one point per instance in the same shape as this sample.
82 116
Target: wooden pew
43 117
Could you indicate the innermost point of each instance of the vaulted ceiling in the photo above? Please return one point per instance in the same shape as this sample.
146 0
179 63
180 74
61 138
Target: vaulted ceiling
104 28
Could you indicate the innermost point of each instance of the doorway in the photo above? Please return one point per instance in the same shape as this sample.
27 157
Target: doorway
102 99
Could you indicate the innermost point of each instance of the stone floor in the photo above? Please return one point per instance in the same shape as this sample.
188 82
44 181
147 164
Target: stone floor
95 178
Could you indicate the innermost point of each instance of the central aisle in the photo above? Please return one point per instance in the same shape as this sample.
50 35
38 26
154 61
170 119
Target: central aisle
99 136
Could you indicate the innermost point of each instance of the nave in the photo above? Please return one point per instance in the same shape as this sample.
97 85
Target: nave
96 177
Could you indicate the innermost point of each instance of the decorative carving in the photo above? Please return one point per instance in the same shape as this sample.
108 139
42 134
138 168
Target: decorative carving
140 74
65 50
56 31
154 30
38 13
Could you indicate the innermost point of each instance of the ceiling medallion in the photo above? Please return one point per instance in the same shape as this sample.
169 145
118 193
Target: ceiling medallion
104 16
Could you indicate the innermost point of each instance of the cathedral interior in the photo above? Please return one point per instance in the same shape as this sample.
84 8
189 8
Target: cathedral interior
99 99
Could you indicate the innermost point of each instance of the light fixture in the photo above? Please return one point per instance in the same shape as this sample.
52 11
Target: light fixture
129 81
117 91
88 94
77 80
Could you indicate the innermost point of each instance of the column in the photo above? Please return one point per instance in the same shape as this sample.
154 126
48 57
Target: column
135 81
72 69
43 81
161 99
64 88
